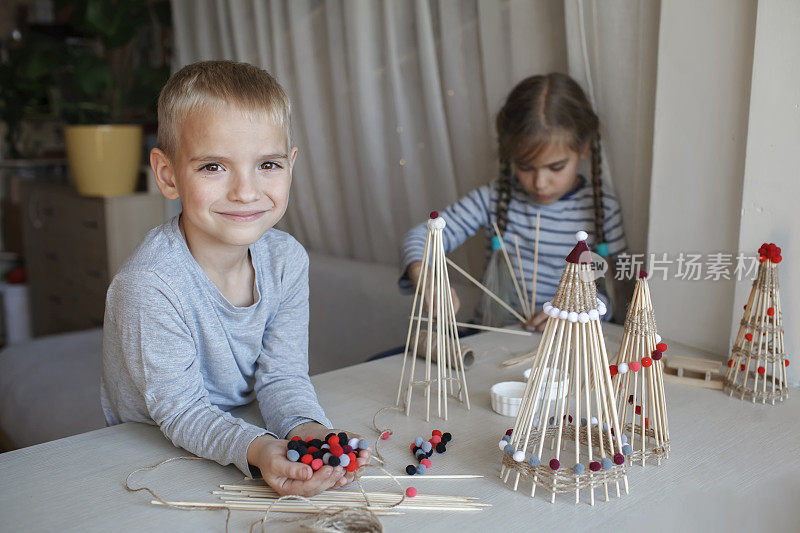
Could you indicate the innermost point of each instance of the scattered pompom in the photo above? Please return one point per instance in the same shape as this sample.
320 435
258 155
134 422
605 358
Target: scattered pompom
421 469
426 462
441 448
436 433
447 437
436 439
427 446
418 441
385 435
411 470
411 492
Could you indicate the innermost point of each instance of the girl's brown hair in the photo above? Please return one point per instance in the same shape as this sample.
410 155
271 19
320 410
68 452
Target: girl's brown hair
538 111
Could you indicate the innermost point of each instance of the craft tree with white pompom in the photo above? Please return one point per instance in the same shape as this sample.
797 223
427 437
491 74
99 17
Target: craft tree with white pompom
434 299
638 379
757 367
571 440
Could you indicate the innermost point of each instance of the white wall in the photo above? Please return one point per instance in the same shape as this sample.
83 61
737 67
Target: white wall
771 185
705 57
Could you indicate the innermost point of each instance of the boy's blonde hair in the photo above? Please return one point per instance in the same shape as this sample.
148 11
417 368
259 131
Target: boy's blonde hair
213 84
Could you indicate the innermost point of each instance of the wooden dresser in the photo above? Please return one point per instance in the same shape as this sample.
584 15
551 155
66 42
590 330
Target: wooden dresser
73 247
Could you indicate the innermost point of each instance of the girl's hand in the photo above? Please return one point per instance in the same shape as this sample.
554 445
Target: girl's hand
316 430
285 476
537 322
414 275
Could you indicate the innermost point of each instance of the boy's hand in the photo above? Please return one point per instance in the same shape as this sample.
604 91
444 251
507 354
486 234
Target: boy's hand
537 322
318 431
285 476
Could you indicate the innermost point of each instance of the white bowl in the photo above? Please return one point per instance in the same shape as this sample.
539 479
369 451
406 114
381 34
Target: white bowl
507 396
553 388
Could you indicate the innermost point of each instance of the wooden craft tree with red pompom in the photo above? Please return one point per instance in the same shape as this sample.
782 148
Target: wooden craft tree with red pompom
437 303
566 437
638 379
757 367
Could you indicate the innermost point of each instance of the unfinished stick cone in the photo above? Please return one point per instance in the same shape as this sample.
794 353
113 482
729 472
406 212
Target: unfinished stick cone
638 379
566 437
757 366
433 317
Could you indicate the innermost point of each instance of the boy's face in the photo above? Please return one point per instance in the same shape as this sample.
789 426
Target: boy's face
232 174
551 174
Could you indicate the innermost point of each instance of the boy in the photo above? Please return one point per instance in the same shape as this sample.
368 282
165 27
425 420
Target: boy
211 311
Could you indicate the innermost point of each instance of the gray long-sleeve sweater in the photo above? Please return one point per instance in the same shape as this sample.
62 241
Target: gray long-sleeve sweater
177 354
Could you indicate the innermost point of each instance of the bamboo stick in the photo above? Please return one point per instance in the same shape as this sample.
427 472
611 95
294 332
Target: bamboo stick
484 289
510 268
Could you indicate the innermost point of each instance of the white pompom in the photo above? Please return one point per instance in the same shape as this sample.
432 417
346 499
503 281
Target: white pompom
622 368
547 306
519 456
553 311
602 310
572 316
594 420
563 314
502 444
593 314
583 317
581 235
439 223
658 338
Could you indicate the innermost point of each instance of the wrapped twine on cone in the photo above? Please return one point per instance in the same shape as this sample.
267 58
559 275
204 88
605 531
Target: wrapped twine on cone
467 352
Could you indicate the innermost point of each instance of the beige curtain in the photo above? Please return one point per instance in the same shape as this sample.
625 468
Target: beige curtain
394 100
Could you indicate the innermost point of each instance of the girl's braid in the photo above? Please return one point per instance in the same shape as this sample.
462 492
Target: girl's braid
503 196
597 188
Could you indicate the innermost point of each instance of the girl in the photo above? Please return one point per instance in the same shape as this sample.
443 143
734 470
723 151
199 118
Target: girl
545 128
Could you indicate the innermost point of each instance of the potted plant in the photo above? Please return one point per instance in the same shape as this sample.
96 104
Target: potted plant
109 89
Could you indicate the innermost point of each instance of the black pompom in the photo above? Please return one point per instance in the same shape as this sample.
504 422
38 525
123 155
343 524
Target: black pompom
343 438
441 448
319 454
292 445
428 455
447 437
411 470
328 436
333 461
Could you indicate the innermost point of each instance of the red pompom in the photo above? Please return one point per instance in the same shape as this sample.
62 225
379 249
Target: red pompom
638 409
352 466
306 459
554 464
337 450
748 336
730 362
426 462
613 370
642 274
333 439
436 432
777 259
761 370
742 367
661 347
434 214
411 492
312 449
296 437
646 361
646 423
509 431
413 446
316 464
385 435
771 311
436 439
785 362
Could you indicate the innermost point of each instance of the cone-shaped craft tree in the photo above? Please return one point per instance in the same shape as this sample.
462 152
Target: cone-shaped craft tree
566 436
433 293
638 379
757 367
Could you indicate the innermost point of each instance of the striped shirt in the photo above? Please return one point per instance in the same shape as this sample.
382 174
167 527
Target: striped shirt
559 222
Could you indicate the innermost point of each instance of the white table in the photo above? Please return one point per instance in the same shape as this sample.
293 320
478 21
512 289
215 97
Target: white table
734 466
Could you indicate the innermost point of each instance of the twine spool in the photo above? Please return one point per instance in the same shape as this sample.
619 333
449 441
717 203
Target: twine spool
467 353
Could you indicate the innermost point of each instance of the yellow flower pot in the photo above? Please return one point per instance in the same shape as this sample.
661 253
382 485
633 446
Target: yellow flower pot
104 160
